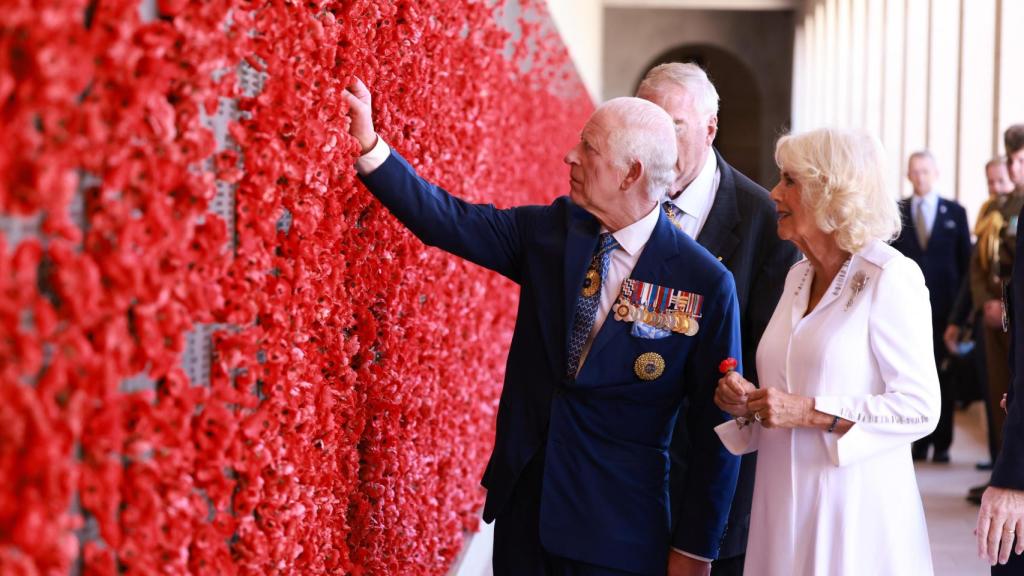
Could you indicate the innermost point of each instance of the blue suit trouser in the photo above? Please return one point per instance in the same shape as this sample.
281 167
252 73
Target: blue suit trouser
517 547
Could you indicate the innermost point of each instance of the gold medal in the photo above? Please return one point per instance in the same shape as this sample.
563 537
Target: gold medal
591 284
677 323
634 314
622 311
649 366
692 329
684 324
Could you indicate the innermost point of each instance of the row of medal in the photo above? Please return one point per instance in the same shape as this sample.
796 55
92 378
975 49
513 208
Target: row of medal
663 308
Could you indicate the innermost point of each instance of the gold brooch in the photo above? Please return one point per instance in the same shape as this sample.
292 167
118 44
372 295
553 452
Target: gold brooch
649 366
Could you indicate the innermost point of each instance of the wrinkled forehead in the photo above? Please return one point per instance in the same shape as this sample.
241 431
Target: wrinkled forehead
922 162
600 125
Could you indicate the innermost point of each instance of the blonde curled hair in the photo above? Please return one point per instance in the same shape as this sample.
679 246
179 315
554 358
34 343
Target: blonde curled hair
843 184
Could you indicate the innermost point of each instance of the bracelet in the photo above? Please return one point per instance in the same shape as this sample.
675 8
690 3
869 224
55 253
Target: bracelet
832 428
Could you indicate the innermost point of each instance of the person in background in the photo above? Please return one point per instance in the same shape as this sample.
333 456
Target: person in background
848 377
731 216
1000 527
935 235
985 289
991 271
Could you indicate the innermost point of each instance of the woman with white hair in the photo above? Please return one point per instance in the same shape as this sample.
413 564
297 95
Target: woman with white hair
847 375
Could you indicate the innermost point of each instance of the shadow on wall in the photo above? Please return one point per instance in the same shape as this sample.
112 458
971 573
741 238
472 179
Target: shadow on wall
739 115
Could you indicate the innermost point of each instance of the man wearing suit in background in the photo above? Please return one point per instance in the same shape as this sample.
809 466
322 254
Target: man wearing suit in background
936 236
578 479
735 220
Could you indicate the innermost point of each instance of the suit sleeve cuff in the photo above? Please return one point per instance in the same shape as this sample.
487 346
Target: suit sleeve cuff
373 159
694 556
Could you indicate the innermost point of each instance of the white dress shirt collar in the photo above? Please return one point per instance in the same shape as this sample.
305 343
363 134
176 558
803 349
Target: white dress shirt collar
634 237
698 195
929 200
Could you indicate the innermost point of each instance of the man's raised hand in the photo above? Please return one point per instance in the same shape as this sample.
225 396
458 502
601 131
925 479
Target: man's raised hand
361 114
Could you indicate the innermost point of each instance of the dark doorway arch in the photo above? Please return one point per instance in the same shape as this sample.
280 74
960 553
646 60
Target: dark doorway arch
739 136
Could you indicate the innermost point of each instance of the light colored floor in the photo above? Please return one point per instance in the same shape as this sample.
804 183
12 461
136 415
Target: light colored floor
943 487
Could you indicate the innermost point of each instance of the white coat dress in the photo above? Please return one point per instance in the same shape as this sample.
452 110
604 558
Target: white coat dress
841 506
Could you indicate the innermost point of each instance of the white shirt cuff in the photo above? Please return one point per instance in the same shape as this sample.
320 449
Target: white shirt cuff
374 158
694 556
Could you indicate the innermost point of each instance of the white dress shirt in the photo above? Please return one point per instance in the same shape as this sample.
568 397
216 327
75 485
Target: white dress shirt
697 198
374 158
632 240
930 204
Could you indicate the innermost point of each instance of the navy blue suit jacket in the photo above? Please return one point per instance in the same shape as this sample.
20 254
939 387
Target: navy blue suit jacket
605 433
944 262
1009 466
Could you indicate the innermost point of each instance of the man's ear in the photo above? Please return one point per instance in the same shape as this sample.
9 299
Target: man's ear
635 172
712 128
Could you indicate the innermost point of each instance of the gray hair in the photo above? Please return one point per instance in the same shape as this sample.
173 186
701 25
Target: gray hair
688 76
923 155
841 173
645 134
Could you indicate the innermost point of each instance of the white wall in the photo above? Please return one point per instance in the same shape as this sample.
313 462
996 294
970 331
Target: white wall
936 74
581 22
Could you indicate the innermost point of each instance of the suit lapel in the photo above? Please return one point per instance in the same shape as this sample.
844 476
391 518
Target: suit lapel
579 247
656 257
717 234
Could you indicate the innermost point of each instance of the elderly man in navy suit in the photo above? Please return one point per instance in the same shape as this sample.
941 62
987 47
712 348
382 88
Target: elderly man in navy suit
936 236
621 316
731 216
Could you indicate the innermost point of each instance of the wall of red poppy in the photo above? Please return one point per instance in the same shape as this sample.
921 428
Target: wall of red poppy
218 354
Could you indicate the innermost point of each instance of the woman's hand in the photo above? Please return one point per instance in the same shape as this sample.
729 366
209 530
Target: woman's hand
732 393
774 408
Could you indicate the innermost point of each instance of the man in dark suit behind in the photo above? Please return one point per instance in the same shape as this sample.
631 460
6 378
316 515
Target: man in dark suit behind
735 220
577 482
936 236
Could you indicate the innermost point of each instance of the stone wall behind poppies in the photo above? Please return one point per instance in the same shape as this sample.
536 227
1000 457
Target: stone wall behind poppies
218 354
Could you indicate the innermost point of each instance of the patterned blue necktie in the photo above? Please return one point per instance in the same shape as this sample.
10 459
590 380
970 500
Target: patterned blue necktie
674 213
588 300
